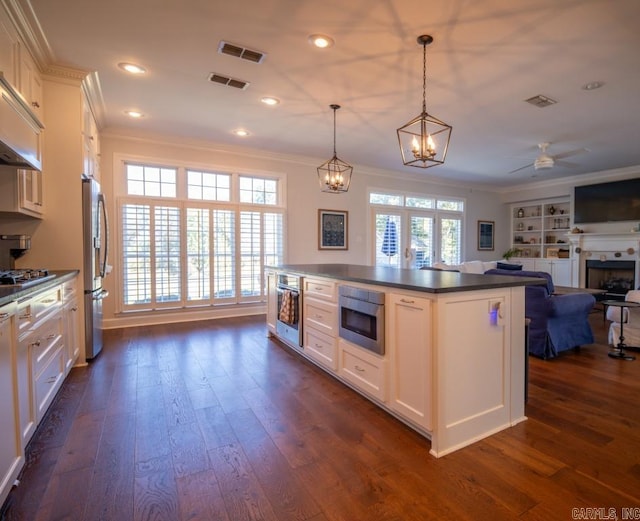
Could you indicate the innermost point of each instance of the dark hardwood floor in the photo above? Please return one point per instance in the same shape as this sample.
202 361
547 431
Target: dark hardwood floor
215 421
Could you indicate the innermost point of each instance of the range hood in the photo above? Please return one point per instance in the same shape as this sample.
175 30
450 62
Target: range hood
20 144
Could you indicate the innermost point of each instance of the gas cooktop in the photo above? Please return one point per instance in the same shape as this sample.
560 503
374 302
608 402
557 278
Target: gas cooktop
24 277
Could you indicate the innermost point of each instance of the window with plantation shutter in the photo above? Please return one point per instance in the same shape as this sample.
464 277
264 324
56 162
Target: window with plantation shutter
209 245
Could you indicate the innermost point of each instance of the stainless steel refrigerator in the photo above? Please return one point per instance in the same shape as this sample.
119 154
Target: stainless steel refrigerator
96 248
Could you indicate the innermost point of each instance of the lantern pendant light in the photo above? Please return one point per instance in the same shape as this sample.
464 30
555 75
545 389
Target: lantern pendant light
334 175
425 139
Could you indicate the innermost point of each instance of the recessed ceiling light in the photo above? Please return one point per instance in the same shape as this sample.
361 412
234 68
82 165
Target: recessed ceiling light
592 85
134 114
132 68
240 132
269 100
322 41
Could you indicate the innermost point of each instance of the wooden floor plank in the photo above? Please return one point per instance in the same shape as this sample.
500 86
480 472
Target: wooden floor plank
214 420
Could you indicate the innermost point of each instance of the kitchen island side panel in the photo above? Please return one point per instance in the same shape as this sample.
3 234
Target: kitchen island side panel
479 366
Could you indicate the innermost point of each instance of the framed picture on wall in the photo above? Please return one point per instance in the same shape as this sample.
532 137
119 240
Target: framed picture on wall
333 230
486 235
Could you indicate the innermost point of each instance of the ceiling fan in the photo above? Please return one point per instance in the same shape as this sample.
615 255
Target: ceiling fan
545 161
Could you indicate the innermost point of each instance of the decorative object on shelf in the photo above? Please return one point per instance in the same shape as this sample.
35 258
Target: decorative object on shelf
520 226
334 175
520 213
511 252
333 230
552 210
630 251
486 235
425 139
553 252
575 229
578 250
529 228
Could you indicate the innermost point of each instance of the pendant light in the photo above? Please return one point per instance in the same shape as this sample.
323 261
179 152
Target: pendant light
334 175
425 139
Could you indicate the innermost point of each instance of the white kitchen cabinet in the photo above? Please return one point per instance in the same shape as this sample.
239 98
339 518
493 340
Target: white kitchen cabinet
321 348
363 369
72 325
320 288
30 82
320 331
8 48
21 193
11 453
409 348
90 142
26 403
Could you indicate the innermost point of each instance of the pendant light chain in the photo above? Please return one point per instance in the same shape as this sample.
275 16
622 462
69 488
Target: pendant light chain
334 130
424 77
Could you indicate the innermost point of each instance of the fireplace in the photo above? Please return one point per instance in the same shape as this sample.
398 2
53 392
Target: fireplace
615 276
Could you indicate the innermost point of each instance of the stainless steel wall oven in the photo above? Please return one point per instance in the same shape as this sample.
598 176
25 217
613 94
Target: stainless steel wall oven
361 313
289 322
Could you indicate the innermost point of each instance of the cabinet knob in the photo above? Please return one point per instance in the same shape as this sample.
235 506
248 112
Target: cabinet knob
358 368
35 104
26 316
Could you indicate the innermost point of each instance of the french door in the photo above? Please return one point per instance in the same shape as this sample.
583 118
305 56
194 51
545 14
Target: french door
413 239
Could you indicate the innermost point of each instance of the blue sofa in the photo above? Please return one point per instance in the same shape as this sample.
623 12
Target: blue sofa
558 322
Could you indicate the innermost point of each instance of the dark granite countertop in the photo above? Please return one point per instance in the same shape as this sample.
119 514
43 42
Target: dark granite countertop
428 281
10 294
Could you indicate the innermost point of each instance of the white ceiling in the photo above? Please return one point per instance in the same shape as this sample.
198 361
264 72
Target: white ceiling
487 58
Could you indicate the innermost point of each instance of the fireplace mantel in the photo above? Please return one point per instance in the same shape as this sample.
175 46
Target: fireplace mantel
603 246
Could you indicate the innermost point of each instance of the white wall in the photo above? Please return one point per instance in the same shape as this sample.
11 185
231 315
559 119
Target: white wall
304 197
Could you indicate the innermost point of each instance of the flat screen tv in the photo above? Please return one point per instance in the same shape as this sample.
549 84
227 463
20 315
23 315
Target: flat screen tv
606 202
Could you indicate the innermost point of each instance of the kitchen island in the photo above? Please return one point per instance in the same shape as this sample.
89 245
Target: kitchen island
453 365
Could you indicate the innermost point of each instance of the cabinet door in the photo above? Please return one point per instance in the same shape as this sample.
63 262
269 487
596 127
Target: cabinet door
8 48
30 191
10 446
30 82
71 334
26 398
561 273
410 352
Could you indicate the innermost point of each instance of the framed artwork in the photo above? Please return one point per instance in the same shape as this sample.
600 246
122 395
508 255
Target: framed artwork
486 235
333 230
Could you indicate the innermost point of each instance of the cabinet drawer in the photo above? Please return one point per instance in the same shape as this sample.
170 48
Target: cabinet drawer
321 315
320 288
69 289
322 348
47 302
364 370
48 383
36 308
45 341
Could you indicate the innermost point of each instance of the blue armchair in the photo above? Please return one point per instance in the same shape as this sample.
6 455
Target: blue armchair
558 322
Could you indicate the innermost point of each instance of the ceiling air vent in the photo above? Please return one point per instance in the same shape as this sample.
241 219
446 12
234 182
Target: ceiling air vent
229 82
541 101
241 52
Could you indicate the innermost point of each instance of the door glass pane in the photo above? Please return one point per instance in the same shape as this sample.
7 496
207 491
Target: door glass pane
388 240
421 241
450 240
